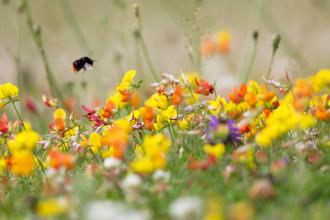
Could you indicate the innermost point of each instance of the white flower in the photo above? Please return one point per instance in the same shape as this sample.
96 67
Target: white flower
131 181
111 163
131 186
188 207
161 175
109 210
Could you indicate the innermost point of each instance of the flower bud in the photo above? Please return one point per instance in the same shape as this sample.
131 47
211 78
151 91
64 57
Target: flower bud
276 41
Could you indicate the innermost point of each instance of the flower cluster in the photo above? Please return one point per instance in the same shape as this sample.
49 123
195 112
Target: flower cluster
182 135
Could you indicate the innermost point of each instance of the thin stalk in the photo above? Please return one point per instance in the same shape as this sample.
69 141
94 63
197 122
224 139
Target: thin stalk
22 122
139 36
270 66
250 50
146 54
288 45
251 57
36 35
18 115
276 44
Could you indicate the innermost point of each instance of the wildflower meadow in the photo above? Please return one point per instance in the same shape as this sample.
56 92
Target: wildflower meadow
213 139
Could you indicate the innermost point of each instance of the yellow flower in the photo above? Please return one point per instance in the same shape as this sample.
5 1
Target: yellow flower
282 120
127 81
95 140
214 106
217 150
254 87
157 101
125 85
2 165
189 79
51 207
167 116
245 155
152 155
321 80
8 91
109 152
224 38
183 124
143 165
155 143
23 162
59 114
25 140
214 209
123 124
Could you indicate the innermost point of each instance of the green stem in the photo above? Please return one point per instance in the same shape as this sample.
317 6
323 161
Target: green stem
270 65
140 37
248 58
18 115
36 35
146 54
288 45
251 58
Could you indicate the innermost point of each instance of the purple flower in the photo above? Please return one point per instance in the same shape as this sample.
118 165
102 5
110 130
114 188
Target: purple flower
213 123
234 131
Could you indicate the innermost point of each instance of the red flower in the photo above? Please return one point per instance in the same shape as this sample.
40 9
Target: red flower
92 116
30 105
4 123
204 88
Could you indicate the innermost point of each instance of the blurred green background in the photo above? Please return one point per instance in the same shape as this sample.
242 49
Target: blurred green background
103 30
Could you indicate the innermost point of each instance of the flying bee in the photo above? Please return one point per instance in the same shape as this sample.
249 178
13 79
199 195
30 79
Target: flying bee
84 63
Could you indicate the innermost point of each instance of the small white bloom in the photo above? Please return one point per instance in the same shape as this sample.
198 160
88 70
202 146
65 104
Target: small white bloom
111 163
186 208
108 210
161 175
131 181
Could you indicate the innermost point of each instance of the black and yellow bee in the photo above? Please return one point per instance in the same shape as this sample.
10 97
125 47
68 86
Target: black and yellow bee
84 63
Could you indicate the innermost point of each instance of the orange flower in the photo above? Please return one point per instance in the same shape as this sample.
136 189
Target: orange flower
266 111
148 117
204 88
108 108
117 139
303 89
59 159
322 113
59 119
135 99
267 95
177 96
208 47
251 99
126 95
236 95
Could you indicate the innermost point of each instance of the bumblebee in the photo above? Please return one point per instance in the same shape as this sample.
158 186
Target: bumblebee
84 63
